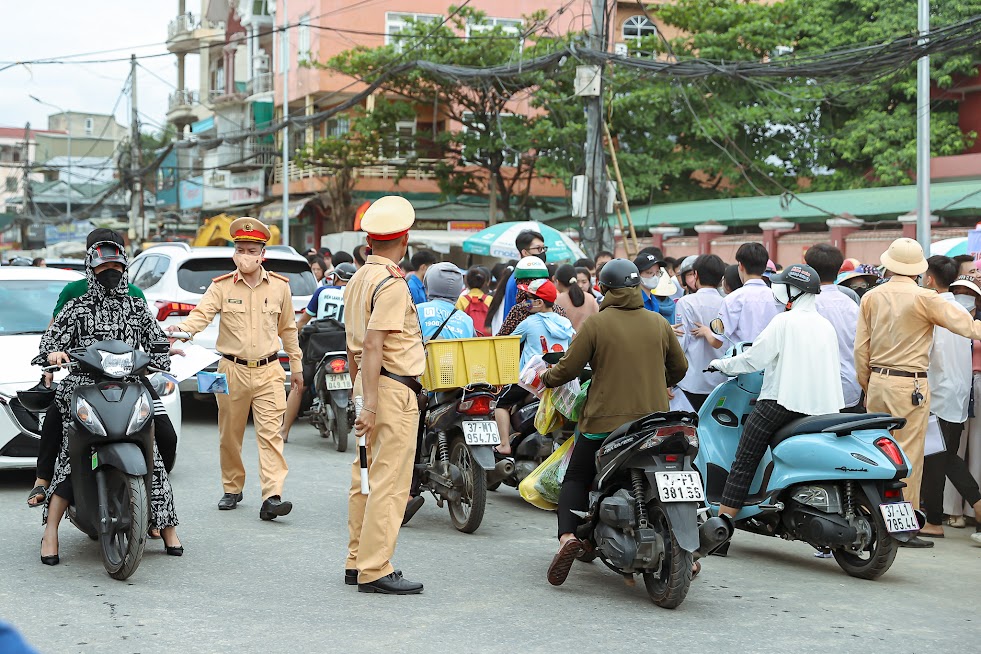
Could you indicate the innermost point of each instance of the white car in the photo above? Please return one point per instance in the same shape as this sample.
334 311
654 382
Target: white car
174 276
27 298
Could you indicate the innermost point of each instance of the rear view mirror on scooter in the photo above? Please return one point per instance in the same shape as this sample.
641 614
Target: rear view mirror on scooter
553 358
717 327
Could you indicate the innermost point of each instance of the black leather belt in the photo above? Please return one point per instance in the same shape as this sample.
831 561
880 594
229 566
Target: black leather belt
250 363
889 372
411 382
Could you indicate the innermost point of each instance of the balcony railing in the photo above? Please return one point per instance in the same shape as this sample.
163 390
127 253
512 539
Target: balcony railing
418 169
250 153
185 24
182 98
261 83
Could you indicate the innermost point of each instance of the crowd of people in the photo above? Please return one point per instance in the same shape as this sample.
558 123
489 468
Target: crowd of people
831 335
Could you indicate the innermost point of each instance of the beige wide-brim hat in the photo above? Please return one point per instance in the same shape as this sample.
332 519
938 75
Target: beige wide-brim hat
665 287
904 257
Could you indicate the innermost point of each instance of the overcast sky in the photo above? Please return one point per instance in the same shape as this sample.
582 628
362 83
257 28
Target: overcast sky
54 28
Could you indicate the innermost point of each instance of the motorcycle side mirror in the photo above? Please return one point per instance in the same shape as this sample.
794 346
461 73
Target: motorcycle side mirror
553 358
717 327
160 347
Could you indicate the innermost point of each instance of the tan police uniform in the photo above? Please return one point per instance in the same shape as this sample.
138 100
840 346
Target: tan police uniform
892 349
374 519
253 320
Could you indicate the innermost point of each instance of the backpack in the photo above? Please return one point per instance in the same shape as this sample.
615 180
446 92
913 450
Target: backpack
477 309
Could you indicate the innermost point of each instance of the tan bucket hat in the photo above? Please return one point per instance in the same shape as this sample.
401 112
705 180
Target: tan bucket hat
904 257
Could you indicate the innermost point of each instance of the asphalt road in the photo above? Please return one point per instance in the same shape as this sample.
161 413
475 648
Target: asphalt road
250 586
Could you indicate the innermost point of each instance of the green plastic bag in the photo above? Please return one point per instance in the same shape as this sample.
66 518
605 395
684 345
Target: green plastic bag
578 404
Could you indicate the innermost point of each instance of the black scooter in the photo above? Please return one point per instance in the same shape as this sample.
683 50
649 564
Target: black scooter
333 412
642 516
110 441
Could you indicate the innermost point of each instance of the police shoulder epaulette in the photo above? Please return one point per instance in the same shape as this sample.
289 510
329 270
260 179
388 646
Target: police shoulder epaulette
279 277
221 277
395 271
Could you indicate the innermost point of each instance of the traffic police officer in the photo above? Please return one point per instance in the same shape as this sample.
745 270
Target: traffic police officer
384 345
256 310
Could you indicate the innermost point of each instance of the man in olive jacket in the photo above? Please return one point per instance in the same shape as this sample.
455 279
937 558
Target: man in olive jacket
635 357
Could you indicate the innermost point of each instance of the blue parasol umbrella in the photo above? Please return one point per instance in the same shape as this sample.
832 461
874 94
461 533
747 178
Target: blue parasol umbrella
498 241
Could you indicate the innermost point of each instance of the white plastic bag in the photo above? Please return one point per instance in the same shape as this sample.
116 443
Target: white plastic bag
530 377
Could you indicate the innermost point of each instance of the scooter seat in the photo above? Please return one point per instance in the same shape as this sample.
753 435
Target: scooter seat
835 423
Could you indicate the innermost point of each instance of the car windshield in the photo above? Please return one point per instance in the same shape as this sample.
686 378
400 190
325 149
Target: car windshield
195 275
26 304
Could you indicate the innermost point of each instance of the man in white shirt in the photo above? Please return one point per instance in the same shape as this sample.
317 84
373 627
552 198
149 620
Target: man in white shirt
695 311
748 310
842 312
951 377
799 352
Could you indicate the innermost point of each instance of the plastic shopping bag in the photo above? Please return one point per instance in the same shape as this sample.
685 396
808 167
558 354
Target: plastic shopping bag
579 403
528 486
530 377
548 418
564 397
549 483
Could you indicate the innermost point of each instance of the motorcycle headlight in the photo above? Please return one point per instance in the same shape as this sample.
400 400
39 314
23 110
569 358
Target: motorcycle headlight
141 413
117 365
88 417
163 384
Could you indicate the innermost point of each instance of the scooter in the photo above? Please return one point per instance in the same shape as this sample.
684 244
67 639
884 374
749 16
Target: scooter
110 441
456 452
332 412
832 481
643 509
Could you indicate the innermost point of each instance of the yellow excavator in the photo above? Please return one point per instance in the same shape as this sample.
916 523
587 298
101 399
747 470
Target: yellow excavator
214 231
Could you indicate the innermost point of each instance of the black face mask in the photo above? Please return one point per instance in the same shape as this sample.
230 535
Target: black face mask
110 278
541 255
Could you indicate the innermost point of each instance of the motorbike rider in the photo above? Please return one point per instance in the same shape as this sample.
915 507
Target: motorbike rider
104 312
443 284
613 342
798 350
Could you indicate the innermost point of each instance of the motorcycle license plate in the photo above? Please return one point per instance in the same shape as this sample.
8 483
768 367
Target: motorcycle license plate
481 432
899 516
679 486
339 382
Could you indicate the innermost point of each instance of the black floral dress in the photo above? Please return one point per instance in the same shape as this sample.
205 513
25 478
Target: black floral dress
102 315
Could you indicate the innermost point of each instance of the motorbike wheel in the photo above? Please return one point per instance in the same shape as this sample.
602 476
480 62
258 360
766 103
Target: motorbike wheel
669 588
467 513
880 553
129 511
341 429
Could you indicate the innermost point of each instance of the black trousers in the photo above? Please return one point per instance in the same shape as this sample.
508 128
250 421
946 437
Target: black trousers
696 400
767 417
575 486
51 433
946 465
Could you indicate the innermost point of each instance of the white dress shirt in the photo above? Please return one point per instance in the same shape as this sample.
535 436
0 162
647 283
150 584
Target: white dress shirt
799 352
700 307
842 313
950 373
747 310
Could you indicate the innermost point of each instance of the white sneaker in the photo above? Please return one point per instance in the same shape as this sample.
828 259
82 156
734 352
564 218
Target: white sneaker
976 537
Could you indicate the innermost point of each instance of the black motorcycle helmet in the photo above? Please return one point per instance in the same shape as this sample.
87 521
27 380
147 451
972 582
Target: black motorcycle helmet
619 273
800 276
344 271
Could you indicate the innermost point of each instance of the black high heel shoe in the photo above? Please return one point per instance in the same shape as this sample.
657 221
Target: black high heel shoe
54 559
174 550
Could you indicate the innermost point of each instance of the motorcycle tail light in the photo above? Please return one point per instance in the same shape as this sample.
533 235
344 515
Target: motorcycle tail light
664 433
338 365
893 494
166 309
891 450
479 405
671 458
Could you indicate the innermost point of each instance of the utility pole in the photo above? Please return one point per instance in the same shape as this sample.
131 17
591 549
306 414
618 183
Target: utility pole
923 133
285 54
135 189
595 224
28 202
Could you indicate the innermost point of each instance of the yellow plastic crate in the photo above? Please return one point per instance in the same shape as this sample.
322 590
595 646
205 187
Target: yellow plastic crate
456 362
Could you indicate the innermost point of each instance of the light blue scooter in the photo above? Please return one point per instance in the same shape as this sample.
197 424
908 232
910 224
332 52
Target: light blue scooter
832 481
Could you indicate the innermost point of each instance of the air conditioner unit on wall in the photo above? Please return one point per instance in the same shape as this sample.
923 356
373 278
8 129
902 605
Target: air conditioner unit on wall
620 49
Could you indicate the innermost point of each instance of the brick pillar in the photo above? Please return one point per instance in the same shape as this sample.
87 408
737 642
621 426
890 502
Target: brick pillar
771 230
706 232
661 232
840 228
